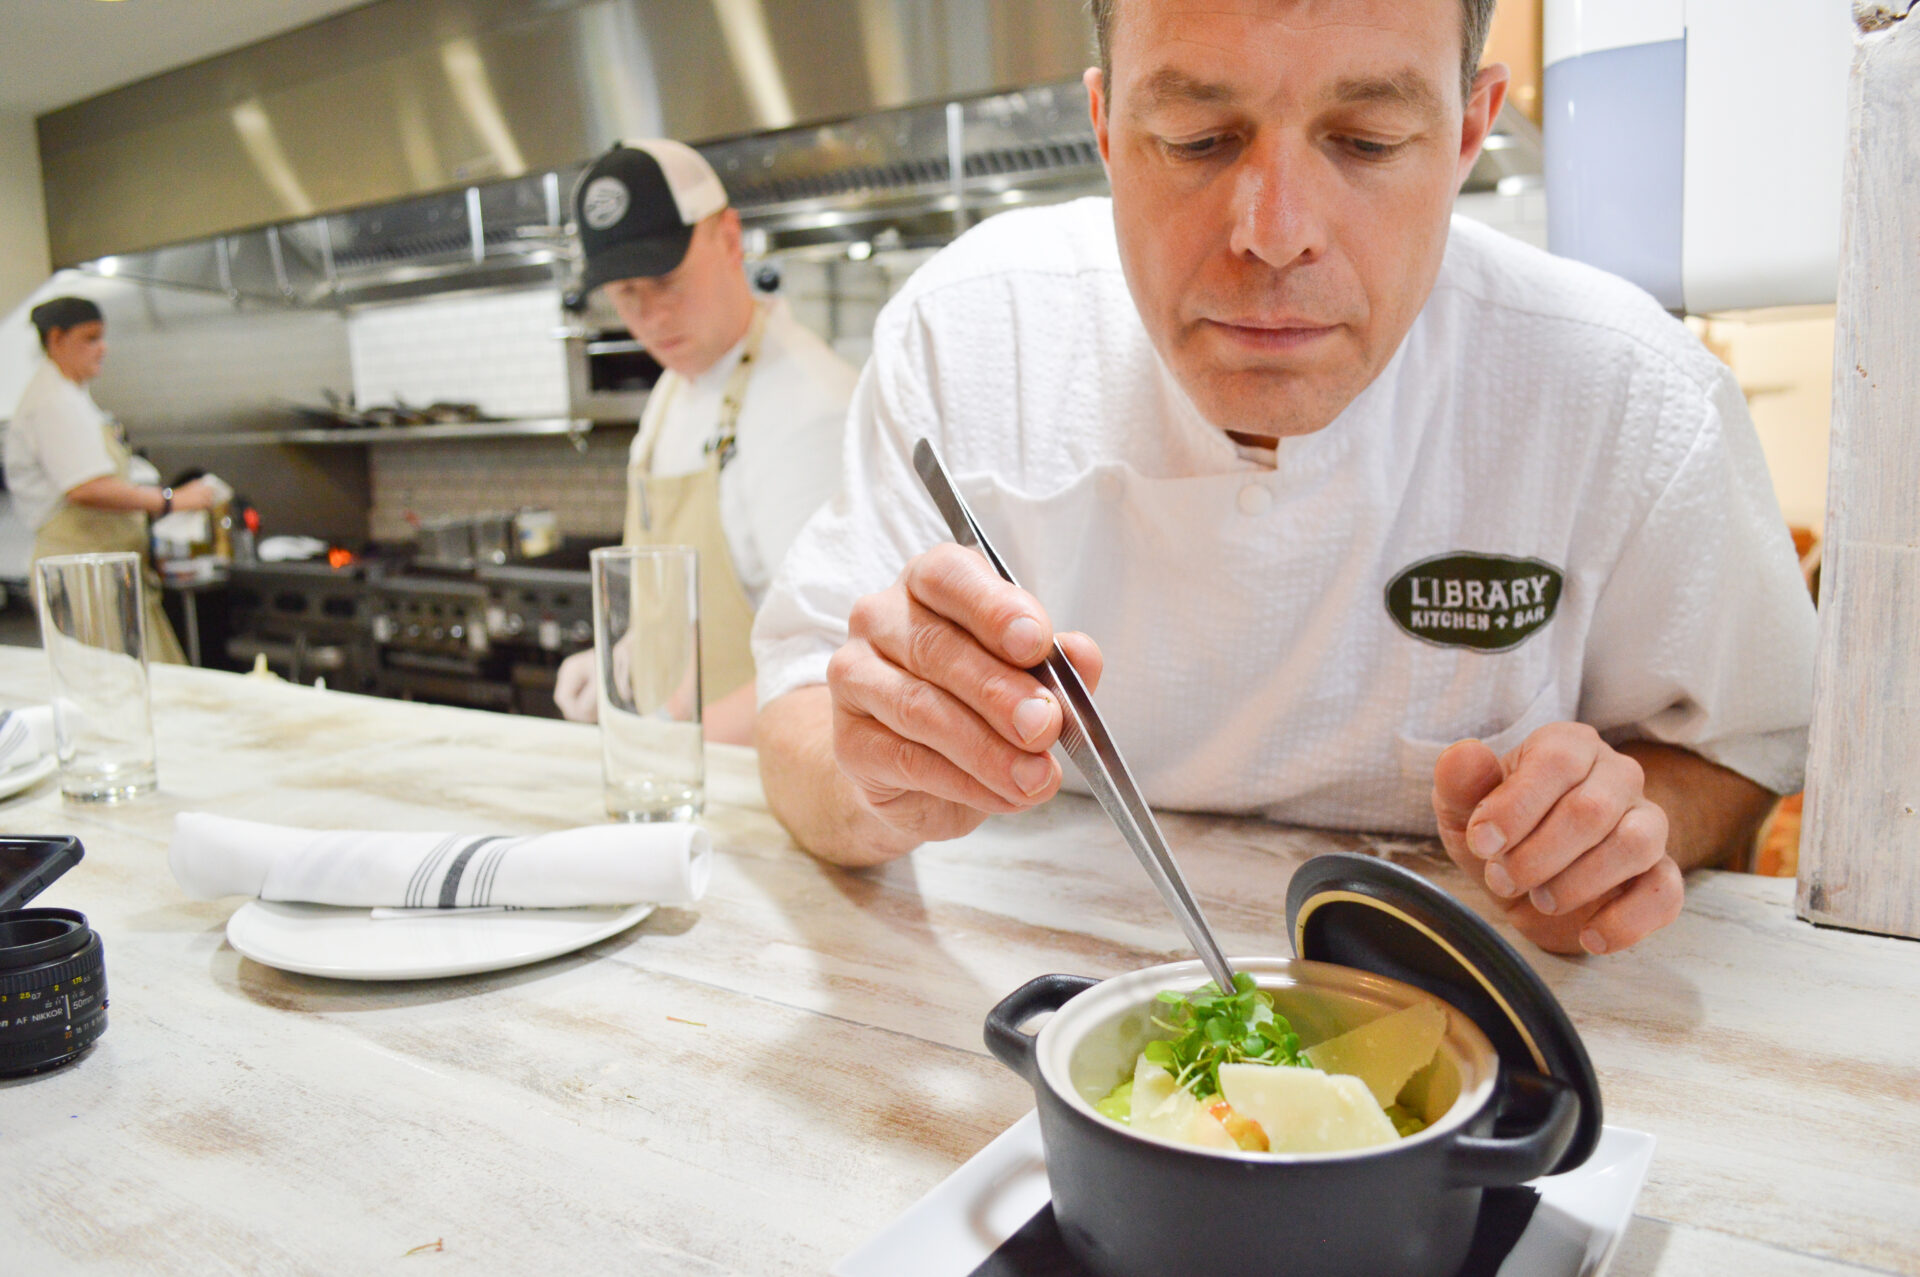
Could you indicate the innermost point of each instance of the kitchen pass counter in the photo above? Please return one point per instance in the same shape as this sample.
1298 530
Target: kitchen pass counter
758 1084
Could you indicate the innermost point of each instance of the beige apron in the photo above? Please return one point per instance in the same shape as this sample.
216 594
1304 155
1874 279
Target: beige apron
79 529
685 510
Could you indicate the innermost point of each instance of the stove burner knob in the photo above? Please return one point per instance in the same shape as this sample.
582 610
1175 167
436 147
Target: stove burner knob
437 633
383 629
549 634
581 631
457 632
413 630
515 623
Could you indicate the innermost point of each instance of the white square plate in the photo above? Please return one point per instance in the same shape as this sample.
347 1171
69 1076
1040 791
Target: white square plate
1575 1229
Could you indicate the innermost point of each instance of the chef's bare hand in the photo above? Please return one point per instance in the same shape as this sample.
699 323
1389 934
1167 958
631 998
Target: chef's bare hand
1562 835
197 495
574 691
936 721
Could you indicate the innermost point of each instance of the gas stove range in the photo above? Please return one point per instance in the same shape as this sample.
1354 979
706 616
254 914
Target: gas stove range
489 637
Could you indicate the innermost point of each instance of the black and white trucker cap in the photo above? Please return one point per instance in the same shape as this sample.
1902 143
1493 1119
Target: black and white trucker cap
636 207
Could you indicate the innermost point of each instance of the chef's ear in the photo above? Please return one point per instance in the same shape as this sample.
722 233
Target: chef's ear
1483 105
726 224
1097 107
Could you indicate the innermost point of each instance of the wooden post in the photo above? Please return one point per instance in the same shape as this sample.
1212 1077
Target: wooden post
1860 849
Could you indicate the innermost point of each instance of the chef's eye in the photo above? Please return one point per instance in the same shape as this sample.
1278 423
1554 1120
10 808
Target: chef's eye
1200 148
1368 148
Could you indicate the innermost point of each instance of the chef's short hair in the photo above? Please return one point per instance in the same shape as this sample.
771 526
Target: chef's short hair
1476 17
63 312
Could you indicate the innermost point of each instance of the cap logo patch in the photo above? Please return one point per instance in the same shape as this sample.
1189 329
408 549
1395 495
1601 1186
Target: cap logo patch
604 202
1487 602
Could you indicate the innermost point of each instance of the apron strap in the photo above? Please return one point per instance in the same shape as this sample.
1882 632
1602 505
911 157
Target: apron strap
721 445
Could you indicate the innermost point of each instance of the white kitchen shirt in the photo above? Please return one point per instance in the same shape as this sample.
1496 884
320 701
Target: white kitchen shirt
1300 634
54 444
787 460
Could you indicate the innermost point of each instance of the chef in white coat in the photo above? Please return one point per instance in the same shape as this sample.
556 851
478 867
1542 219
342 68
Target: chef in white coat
69 468
1373 519
740 441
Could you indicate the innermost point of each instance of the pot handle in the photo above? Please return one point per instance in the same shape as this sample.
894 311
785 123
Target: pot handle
1009 1044
1479 1161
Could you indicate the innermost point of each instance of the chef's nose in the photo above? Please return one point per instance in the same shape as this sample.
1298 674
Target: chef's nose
1278 214
649 309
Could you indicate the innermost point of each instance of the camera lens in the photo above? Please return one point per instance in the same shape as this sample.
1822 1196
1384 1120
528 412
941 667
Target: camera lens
53 989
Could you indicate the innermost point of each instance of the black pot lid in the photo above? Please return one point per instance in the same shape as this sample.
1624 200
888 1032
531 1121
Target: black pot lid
1358 911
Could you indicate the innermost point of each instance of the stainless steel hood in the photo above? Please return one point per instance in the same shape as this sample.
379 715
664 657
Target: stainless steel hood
409 98
912 177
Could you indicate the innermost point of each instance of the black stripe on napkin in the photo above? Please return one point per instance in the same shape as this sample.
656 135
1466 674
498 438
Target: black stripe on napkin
489 869
416 896
1037 1250
450 886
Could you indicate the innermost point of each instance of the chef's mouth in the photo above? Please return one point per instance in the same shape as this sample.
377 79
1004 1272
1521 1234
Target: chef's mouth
1276 337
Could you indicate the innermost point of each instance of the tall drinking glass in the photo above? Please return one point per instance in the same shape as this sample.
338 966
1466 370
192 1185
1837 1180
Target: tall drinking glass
92 614
646 641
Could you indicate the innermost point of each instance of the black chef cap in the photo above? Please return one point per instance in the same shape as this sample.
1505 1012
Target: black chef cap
63 312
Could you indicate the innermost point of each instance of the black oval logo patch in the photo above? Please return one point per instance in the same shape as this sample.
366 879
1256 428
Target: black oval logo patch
1487 602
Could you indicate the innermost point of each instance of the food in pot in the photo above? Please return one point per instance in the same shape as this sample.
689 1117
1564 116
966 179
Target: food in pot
1302 1110
1233 1076
1384 1053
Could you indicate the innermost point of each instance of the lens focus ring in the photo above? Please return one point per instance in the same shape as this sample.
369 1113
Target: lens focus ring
53 989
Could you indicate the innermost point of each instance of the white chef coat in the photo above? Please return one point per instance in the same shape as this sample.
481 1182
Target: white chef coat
1538 410
54 444
787 459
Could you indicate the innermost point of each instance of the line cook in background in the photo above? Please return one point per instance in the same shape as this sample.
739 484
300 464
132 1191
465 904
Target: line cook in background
69 468
740 442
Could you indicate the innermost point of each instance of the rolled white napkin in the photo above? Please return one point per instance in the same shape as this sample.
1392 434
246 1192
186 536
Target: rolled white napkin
25 736
600 865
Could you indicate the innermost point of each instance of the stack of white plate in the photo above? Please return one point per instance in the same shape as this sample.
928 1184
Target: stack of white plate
26 749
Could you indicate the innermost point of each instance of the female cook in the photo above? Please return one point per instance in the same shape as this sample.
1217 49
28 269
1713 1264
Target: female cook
68 466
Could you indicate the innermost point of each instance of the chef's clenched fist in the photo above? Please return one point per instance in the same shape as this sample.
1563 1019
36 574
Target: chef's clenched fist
574 689
936 721
1561 833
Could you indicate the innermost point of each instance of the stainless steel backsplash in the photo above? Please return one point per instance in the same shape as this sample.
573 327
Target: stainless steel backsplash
183 361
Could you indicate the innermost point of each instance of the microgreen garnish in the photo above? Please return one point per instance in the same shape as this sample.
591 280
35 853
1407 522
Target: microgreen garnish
1212 1029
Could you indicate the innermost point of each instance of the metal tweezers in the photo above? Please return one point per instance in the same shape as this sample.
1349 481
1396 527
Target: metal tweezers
1084 738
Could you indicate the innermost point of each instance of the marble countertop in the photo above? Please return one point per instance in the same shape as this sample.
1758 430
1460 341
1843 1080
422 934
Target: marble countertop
758 1084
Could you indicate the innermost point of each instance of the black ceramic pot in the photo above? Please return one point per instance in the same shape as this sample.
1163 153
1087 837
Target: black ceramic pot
1131 1205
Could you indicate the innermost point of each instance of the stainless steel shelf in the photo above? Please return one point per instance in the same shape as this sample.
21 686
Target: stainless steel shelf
577 427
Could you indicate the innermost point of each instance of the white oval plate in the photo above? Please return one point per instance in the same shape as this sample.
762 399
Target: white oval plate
19 778
351 944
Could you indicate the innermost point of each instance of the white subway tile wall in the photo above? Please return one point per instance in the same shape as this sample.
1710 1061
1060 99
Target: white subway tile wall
841 300
587 490
498 350
1522 214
